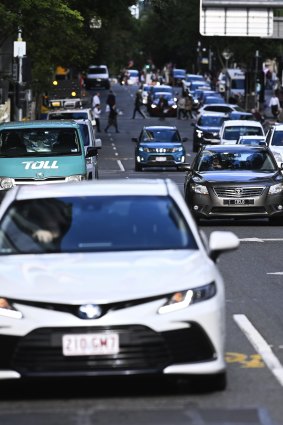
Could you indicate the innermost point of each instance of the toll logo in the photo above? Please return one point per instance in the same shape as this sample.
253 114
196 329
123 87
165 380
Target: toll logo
39 165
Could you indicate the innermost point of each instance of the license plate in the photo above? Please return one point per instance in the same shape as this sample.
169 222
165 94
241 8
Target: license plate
238 201
90 344
160 158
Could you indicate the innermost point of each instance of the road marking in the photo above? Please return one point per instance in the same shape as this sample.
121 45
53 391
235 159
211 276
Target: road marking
264 240
261 240
247 361
260 345
120 165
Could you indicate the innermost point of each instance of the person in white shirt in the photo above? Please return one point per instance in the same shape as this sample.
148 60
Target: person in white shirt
274 105
96 115
96 99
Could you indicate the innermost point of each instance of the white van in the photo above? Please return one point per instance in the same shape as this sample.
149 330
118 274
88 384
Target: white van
231 130
97 76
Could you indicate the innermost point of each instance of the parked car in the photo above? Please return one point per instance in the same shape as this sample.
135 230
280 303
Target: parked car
206 129
97 76
274 139
159 146
155 110
125 284
231 130
234 181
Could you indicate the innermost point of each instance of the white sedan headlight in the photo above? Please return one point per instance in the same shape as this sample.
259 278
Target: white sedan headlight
276 188
183 299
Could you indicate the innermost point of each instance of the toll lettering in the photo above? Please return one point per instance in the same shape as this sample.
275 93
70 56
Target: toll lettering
38 165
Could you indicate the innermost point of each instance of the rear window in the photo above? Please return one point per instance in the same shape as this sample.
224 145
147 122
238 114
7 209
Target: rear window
97 70
234 132
67 115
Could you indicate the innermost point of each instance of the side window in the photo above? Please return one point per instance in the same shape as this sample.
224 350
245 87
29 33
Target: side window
277 139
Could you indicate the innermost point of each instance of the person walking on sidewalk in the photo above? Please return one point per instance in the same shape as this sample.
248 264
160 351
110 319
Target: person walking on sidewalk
138 104
112 119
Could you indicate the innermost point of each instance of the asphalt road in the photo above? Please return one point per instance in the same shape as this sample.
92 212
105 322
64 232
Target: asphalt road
254 346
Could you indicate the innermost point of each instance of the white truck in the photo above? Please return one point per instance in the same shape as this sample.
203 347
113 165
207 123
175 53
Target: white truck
232 81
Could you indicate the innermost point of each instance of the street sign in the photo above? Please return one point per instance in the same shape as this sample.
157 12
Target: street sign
19 49
230 20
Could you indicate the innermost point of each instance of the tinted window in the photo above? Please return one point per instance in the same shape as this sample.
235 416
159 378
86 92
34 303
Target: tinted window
240 160
68 115
211 121
97 70
161 136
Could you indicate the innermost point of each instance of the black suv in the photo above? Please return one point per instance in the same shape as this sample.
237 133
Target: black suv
207 128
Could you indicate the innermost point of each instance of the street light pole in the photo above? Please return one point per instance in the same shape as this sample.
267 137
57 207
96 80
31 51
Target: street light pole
256 71
20 74
19 52
227 54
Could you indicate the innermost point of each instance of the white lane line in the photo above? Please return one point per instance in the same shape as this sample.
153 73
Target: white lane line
279 273
261 240
120 165
260 345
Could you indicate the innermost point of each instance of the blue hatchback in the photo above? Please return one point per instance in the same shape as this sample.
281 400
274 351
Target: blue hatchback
159 146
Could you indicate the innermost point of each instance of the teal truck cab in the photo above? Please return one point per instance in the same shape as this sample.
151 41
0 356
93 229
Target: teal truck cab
41 152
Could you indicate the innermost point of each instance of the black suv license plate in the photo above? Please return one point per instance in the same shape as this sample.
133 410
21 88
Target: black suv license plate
238 202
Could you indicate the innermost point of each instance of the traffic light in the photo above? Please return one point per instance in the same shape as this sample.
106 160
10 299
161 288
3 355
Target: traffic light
20 93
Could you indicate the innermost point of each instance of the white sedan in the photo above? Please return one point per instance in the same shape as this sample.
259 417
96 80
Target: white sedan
109 278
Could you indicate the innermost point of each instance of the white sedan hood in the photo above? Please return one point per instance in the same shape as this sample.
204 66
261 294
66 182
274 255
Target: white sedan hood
102 277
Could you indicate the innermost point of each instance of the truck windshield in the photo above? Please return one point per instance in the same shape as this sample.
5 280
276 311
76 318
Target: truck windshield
39 141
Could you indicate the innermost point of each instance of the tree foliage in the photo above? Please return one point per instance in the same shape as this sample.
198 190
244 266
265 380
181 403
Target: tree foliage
63 32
